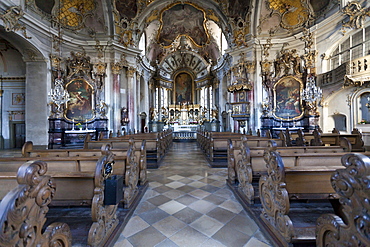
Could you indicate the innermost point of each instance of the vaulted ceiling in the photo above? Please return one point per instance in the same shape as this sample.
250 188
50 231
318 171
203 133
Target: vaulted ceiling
162 23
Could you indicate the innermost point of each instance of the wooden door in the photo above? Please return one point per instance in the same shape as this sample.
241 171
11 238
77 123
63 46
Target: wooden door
19 134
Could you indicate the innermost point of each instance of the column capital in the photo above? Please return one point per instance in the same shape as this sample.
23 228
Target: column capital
116 68
130 71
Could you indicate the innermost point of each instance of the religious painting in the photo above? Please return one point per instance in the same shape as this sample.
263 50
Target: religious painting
182 19
80 105
287 96
183 88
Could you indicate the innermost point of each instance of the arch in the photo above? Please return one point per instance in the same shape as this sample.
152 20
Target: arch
37 84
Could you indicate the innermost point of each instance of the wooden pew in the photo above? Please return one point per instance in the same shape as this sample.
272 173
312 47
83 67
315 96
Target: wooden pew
351 226
157 144
246 164
79 172
31 196
94 150
292 198
215 146
352 142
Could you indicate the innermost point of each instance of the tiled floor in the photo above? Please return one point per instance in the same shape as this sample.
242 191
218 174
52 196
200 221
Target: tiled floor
188 204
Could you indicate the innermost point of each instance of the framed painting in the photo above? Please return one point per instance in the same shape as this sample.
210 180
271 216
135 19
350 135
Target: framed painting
80 105
183 88
287 98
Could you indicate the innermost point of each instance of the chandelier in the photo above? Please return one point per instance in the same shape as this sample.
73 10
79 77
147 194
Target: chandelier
59 95
311 94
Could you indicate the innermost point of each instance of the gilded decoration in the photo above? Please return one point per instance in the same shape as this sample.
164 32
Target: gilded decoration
183 19
356 13
11 20
73 13
288 62
289 14
241 71
241 30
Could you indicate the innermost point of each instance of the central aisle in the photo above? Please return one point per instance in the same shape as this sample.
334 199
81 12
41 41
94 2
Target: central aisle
188 204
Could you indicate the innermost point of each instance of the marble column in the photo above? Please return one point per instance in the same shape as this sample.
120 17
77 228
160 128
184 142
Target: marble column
116 71
36 108
131 97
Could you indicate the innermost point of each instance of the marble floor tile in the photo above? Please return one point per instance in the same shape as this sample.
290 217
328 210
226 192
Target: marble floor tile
172 207
189 204
207 225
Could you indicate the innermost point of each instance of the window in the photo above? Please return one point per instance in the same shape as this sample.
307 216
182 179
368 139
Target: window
355 46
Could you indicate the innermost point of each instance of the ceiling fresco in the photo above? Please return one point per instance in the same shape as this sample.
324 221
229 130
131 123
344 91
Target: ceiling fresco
126 8
238 8
182 19
294 13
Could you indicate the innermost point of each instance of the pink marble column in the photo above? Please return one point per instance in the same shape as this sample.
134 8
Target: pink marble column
116 71
131 97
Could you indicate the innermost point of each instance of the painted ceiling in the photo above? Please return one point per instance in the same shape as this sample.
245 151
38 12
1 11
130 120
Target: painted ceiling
164 22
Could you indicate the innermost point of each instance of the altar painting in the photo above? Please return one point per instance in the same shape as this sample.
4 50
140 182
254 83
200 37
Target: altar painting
79 107
183 88
287 95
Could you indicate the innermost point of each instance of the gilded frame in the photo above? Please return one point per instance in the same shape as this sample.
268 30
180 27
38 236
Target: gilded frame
287 98
183 88
80 107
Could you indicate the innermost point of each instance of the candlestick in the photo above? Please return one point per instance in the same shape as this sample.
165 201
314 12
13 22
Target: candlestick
73 124
86 123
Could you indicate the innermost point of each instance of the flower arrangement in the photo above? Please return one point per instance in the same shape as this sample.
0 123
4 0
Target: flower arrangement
363 121
79 125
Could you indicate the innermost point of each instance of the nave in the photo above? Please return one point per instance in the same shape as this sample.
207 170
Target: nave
188 204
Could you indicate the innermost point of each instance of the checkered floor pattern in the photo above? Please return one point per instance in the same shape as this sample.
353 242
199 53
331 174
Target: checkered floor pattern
188 204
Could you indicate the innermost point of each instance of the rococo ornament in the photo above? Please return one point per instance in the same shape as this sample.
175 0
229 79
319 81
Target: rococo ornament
11 20
356 15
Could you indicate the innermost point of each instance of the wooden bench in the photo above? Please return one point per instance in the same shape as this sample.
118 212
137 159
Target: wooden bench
246 164
31 196
351 226
352 142
157 144
94 150
293 197
88 174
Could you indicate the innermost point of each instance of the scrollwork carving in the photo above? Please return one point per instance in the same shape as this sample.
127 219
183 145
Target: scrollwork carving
352 184
11 20
244 171
274 196
23 210
231 162
131 176
356 15
104 217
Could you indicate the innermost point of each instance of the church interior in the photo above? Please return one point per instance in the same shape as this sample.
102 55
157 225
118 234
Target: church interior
187 112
